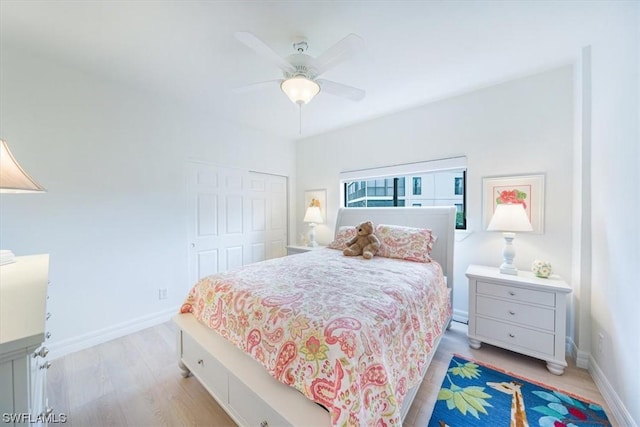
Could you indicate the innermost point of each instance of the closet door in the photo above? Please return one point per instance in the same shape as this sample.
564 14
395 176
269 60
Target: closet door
236 217
268 222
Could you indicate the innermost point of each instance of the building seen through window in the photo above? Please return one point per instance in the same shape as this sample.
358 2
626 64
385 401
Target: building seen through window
417 185
440 188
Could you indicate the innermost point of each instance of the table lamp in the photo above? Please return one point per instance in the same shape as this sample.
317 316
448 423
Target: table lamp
313 216
13 179
509 218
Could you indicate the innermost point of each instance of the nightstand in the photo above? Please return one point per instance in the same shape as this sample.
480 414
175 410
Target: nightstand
522 313
297 249
23 302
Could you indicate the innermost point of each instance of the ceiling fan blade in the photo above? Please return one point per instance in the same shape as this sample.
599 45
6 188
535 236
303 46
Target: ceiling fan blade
261 48
339 89
339 52
257 86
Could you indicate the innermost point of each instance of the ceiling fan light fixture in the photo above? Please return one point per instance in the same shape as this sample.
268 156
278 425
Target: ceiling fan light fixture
299 89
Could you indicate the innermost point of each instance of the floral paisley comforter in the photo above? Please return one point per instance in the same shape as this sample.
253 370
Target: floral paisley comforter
351 334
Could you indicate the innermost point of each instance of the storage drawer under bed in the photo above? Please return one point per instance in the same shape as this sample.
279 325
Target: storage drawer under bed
255 412
208 370
243 404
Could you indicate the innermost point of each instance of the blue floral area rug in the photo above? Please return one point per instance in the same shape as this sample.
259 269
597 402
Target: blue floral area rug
474 394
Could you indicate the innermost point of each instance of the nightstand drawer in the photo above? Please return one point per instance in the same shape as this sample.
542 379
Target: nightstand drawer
512 335
517 294
537 317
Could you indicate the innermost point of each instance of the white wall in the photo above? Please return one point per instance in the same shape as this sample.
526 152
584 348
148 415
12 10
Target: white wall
519 127
114 217
615 195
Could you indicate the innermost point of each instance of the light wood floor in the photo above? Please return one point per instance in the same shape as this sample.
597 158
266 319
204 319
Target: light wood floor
135 381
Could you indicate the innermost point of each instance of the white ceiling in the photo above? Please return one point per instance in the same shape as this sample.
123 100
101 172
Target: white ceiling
416 52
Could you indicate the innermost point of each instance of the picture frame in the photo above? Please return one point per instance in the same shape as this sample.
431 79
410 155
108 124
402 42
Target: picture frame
316 196
525 189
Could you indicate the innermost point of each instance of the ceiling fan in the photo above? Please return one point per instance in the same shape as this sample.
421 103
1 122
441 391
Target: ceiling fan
300 80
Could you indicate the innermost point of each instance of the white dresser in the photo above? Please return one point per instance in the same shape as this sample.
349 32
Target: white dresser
522 313
23 364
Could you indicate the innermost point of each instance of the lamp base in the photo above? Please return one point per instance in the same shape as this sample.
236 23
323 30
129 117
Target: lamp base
312 235
508 269
508 254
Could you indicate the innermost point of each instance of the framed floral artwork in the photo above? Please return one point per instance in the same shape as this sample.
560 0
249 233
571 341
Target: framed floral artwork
527 190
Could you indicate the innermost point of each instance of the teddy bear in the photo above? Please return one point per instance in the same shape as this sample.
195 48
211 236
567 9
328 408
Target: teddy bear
364 242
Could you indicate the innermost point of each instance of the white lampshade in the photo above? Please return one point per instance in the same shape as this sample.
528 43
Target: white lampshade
299 89
313 214
510 217
13 179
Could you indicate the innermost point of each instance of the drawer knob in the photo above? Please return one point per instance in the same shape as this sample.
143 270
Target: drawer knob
46 365
48 335
512 293
264 424
511 312
48 316
200 362
512 335
42 352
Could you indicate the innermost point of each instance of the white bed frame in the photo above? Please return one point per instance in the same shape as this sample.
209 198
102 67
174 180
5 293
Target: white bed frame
243 388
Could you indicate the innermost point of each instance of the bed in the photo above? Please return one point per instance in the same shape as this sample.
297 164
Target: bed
341 371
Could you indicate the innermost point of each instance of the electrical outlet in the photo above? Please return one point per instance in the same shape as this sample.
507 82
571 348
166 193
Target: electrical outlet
601 343
162 293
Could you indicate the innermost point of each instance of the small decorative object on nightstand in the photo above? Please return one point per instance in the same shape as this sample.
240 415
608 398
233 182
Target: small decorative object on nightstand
541 268
521 313
297 249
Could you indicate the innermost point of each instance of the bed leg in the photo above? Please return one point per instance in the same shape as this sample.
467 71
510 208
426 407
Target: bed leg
185 371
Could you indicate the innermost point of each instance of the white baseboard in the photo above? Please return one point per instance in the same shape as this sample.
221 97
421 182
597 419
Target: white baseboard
461 316
71 345
580 357
570 348
583 359
619 412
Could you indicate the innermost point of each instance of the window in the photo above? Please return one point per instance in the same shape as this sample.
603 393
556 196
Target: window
375 193
433 183
417 186
458 186
460 219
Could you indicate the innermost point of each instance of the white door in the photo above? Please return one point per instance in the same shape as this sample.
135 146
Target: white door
236 217
268 221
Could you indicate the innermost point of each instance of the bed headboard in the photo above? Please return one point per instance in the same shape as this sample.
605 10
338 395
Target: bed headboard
440 219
